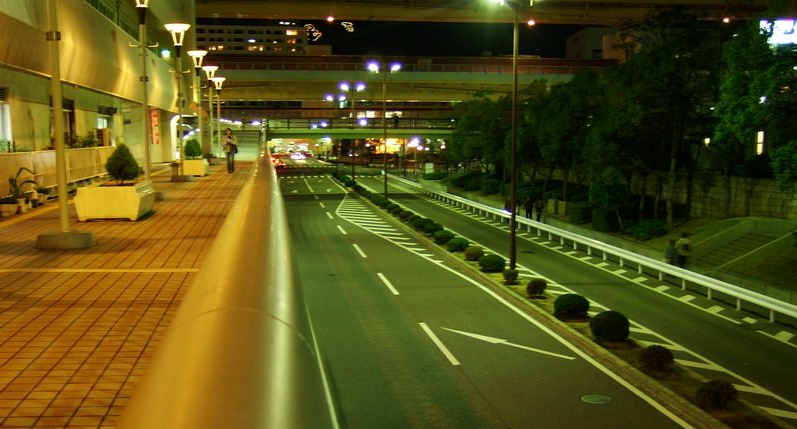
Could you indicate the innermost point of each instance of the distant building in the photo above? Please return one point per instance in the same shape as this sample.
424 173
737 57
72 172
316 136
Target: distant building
593 43
270 39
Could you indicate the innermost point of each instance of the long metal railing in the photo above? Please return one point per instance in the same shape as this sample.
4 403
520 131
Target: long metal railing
643 264
240 352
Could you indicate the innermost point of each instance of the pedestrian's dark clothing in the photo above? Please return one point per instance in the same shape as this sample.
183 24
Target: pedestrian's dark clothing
670 253
230 149
528 205
683 248
538 206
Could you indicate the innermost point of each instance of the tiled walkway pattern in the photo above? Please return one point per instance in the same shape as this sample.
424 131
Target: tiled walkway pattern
78 327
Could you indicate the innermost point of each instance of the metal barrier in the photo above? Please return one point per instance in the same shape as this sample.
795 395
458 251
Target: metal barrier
81 164
240 352
643 264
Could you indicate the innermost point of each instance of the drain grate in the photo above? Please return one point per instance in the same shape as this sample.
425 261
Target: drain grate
596 399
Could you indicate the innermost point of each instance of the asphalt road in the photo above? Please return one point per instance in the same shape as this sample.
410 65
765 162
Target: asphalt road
409 342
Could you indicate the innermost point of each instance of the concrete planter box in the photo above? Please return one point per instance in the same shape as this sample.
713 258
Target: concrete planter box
114 202
194 167
8 209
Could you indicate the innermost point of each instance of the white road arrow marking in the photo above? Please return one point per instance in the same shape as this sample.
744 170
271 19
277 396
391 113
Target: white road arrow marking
494 340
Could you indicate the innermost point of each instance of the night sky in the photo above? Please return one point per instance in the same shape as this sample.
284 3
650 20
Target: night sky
443 39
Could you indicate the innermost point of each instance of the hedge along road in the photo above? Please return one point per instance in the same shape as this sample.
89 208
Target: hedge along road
714 340
410 342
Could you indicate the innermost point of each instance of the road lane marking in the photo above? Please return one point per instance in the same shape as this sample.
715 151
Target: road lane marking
329 215
780 413
387 283
342 231
493 340
360 251
321 204
309 188
447 353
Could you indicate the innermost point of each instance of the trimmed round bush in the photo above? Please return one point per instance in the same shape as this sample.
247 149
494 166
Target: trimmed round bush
656 357
121 165
457 244
570 306
492 263
442 236
396 210
473 253
192 149
715 394
406 215
510 276
412 217
432 227
420 223
391 206
536 287
609 326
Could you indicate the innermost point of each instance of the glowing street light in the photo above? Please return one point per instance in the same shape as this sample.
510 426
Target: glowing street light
197 55
218 82
210 71
375 67
178 34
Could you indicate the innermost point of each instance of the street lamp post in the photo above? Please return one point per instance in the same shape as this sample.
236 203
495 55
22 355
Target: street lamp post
218 81
178 33
141 7
345 87
513 140
210 71
197 56
375 68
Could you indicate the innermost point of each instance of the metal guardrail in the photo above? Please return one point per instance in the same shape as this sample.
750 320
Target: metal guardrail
81 164
240 352
644 264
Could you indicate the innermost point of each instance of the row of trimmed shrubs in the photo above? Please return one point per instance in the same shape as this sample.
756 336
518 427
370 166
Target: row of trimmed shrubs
605 326
488 263
614 326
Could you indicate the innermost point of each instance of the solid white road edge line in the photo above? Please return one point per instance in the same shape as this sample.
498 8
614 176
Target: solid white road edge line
447 353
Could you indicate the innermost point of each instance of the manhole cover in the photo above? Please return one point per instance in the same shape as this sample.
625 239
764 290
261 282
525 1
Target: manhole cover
596 399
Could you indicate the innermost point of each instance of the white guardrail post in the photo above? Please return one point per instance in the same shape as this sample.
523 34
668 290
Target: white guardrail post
772 305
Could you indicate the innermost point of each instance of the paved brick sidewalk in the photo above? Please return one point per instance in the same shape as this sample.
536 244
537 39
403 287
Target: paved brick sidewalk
78 327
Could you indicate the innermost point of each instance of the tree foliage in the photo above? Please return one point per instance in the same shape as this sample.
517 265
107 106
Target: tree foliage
121 165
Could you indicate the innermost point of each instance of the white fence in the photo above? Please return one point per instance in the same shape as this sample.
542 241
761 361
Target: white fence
81 164
643 264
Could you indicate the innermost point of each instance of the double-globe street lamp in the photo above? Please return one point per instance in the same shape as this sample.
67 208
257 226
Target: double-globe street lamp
141 8
178 34
375 67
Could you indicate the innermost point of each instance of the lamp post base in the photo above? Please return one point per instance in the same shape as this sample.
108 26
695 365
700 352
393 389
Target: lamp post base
64 240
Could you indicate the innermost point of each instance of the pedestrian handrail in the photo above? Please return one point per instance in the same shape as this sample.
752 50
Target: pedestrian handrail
240 353
643 264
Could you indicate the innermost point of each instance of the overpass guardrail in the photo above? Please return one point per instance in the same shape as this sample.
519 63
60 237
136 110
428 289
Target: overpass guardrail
240 353
644 265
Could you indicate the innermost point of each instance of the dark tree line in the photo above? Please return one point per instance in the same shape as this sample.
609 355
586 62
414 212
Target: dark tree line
692 96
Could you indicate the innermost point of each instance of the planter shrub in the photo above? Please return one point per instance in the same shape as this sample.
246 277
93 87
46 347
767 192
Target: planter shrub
580 213
536 287
457 244
570 306
656 357
490 186
412 217
405 215
436 175
605 220
609 326
510 276
715 394
492 263
192 149
647 229
432 227
473 253
395 210
442 236
121 165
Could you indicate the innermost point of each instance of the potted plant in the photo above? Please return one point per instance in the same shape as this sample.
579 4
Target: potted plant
193 165
8 206
117 199
16 185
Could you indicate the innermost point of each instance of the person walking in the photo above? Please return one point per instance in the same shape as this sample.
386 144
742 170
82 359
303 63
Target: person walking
528 206
670 253
683 248
230 149
538 206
